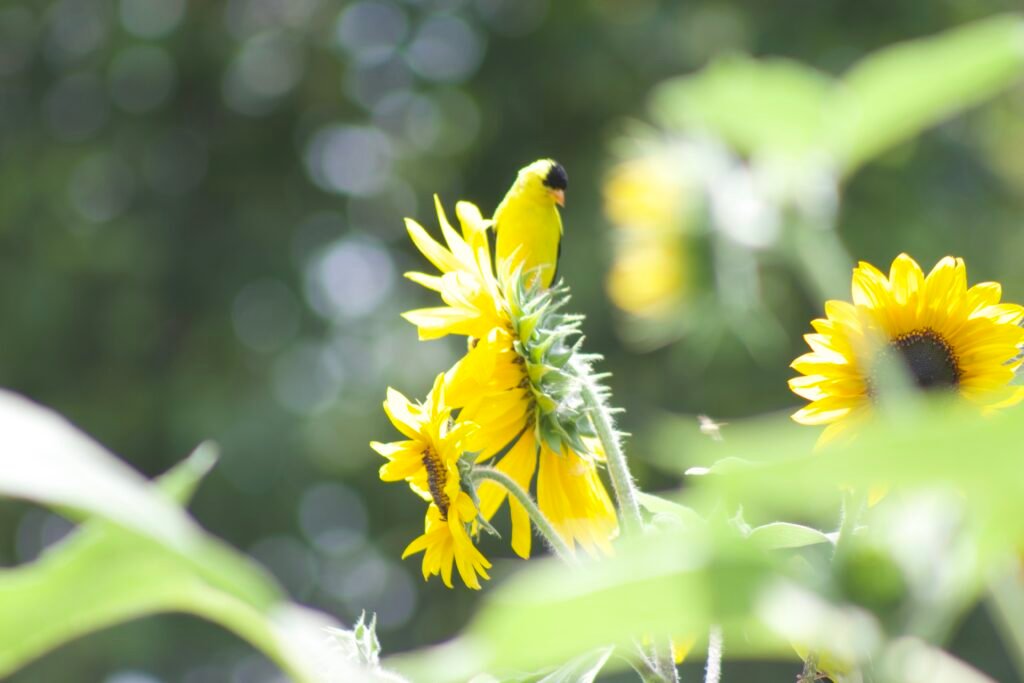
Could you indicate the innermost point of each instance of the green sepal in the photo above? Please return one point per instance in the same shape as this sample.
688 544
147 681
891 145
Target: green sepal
537 372
545 403
526 326
539 350
552 439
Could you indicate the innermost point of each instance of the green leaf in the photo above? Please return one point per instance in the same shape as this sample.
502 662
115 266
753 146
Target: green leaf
582 669
785 535
1006 606
103 575
658 505
896 93
661 584
722 466
139 554
46 460
907 658
182 480
779 108
926 448
771 106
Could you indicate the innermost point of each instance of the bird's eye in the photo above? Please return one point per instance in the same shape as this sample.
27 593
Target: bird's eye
557 178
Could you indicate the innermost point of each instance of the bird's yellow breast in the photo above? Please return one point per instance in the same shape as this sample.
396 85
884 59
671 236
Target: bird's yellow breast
528 231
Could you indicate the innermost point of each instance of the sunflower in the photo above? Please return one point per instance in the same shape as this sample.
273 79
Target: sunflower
514 384
948 337
493 385
428 459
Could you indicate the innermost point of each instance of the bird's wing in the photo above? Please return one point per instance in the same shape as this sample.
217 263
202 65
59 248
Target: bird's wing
558 262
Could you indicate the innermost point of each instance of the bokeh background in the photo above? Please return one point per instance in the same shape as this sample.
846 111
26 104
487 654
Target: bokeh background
201 237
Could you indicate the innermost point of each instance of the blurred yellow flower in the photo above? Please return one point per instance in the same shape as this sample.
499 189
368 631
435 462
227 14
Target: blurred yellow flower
645 193
647 200
681 648
947 336
428 459
647 276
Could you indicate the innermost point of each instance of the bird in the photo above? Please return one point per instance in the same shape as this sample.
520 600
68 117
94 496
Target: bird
527 225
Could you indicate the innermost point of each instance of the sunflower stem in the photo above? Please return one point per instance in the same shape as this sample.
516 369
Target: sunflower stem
810 672
647 666
665 663
618 469
544 526
713 669
624 487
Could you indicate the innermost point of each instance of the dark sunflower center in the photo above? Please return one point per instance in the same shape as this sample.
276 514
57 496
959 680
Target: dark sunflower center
927 357
437 478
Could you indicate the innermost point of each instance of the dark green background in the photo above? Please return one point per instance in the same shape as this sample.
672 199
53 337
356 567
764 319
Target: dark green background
166 250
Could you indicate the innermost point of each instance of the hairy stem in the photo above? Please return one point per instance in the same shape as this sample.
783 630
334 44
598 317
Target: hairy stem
810 672
646 665
664 662
618 469
547 530
713 670
625 495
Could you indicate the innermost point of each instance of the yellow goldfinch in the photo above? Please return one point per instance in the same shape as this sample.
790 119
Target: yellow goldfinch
527 225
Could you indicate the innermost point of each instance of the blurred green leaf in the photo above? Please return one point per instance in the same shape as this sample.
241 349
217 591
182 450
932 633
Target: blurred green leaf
44 459
182 480
896 93
909 660
773 105
658 505
780 108
659 585
1006 605
926 448
785 535
723 466
114 568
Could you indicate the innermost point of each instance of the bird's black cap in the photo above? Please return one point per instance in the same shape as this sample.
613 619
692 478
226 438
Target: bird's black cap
557 178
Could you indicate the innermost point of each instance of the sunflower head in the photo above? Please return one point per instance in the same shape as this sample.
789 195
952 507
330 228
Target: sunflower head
944 335
432 441
429 460
547 342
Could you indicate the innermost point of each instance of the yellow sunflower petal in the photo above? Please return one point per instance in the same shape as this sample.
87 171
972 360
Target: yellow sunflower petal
442 259
406 417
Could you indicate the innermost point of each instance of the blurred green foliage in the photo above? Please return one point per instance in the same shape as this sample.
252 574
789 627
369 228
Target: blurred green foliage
200 208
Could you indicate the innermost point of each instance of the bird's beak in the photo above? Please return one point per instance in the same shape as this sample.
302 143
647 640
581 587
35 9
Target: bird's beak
559 196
